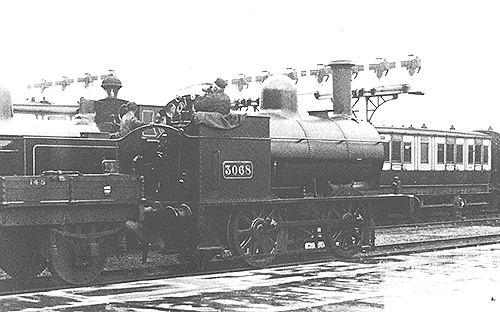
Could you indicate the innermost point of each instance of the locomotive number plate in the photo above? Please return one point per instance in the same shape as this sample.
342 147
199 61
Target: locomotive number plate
237 169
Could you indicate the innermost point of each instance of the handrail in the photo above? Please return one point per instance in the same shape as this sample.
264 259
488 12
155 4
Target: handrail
298 140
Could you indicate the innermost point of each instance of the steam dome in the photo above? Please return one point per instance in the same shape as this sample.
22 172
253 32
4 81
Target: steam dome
279 92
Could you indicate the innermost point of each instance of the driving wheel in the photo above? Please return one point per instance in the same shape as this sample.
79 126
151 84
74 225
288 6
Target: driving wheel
254 235
352 226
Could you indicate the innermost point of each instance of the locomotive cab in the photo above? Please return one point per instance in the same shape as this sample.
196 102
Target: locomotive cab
200 163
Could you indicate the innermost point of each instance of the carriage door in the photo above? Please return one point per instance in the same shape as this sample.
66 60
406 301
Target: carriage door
423 156
478 154
487 155
439 154
386 138
450 153
397 152
407 153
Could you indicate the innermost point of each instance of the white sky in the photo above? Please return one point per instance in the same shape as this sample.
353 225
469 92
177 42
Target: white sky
157 47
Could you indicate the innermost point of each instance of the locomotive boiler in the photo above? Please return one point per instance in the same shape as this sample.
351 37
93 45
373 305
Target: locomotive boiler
319 154
247 187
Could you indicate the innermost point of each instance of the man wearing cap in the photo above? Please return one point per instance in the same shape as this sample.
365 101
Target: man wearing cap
129 122
215 100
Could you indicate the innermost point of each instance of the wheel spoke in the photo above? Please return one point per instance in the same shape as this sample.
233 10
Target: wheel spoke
336 236
257 236
245 232
245 243
357 210
268 216
254 213
265 242
337 214
246 219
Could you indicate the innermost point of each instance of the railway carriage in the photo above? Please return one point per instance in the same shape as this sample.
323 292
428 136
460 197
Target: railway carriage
444 169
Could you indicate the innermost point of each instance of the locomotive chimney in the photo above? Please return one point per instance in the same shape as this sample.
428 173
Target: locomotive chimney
111 85
341 77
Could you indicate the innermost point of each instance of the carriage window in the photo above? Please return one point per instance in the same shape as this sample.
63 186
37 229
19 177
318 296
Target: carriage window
477 157
471 155
386 151
396 151
407 153
440 151
424 153
460 154
450 153
485 155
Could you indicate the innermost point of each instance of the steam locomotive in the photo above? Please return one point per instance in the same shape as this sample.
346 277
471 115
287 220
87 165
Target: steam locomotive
199 184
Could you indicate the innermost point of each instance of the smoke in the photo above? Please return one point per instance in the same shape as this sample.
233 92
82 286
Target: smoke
5 104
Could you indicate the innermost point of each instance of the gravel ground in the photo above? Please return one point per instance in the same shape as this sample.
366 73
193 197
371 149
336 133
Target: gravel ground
132 260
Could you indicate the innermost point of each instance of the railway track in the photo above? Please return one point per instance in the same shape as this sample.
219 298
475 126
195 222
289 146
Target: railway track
430 245
384 247
486 220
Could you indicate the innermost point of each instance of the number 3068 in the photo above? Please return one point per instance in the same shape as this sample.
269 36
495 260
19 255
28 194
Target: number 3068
238 170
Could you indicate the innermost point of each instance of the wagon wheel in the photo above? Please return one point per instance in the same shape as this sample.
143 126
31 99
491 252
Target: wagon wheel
254 234
19 253
78 253
353 228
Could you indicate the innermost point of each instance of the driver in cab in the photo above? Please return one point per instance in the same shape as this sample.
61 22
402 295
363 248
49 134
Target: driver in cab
215 100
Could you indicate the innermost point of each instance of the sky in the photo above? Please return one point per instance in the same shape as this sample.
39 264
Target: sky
157 48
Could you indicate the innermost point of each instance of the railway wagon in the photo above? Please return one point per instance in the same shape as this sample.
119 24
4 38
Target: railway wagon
58 207
248 187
